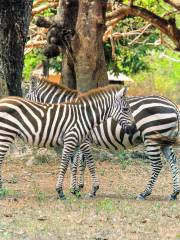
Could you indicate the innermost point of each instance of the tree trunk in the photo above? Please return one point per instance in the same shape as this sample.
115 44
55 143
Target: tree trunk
14 24
67 16
89 59
86 67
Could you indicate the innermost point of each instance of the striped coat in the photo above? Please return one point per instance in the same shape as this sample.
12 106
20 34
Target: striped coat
60 124
156 119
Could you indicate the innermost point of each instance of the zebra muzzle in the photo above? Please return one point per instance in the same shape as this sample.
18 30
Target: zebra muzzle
130 129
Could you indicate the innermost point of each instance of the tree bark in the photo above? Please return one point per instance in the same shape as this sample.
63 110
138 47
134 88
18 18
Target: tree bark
87 45
14 24
84 67
67 16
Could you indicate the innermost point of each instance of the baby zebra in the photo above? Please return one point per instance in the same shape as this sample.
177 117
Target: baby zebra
155 117
60 124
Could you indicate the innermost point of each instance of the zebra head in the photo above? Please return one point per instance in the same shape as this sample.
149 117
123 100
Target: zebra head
121 112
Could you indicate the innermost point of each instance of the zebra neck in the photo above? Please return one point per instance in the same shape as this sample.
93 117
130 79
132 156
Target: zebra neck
99 112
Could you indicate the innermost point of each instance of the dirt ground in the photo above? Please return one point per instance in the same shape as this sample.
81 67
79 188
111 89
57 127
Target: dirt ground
30 210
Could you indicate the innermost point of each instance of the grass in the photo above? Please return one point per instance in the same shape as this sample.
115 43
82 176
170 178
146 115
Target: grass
114 214
105 205
40 196
6 193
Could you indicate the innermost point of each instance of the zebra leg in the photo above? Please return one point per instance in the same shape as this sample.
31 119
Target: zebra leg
171 157
5 142
153 152
82 167
66 157
87 157
74 165
1 161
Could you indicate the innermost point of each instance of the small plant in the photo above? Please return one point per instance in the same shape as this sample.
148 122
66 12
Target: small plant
123 159
5 193
13 180
102 172
41 156
41 159
105 205
39 195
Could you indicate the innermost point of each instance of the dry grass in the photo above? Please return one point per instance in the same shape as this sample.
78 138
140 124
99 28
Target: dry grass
30 209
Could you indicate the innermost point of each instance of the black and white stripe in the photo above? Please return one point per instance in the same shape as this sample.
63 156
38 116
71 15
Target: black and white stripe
45 92
156 119
60 124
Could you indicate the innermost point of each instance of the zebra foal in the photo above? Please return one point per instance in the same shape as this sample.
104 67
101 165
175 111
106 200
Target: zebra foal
60 124
156 118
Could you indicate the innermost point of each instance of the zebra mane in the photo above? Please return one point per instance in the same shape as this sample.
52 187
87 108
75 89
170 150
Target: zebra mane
95 92
61 87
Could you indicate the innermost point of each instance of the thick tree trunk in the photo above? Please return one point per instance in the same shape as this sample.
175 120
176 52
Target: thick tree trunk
14 24
67 16
89 60
85 67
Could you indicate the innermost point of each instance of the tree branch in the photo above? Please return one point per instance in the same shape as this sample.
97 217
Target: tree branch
174 3
167 27
43 8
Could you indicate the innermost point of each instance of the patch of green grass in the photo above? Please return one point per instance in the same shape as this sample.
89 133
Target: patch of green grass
123 159
45 156
102 172
39 195
13 180
5 193
178 236
106 205
5 235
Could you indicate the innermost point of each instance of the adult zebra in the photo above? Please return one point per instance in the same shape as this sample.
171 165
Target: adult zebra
156 120
60 124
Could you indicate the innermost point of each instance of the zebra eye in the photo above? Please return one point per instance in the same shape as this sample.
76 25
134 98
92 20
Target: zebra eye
126 109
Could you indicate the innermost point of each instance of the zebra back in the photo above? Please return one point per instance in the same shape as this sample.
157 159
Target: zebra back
46 92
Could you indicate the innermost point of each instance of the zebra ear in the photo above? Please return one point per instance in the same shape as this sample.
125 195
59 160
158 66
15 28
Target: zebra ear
122 92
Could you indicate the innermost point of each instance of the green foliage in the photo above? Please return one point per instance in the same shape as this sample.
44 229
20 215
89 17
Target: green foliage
4 193
106 205
48 12
31 60
123 159
129 54
56 63
34 58
162 77
39 195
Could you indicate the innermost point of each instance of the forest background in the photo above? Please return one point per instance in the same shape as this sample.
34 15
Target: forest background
132 47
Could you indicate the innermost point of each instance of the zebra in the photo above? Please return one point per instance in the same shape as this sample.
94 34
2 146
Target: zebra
41 90
65 124
156 117
157 121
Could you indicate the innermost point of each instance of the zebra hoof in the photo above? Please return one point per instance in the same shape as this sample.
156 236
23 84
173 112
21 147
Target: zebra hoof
173 196
81 186
140 198
61 195
76 192
73 191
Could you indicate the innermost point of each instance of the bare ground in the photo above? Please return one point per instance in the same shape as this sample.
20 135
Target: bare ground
30 210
